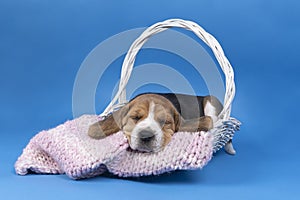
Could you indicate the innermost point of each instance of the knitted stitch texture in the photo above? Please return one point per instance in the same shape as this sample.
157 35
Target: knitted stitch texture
68 149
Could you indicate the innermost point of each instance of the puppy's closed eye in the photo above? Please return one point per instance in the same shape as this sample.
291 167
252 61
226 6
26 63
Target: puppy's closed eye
163 121
136 118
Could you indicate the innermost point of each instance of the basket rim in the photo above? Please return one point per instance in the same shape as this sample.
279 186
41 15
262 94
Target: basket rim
206 37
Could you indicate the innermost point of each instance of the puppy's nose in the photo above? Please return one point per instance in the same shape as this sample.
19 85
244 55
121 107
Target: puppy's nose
146 136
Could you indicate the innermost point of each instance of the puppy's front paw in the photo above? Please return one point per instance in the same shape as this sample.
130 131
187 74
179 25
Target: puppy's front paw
96 132
206 123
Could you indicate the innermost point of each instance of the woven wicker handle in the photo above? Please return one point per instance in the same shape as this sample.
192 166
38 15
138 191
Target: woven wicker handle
162 26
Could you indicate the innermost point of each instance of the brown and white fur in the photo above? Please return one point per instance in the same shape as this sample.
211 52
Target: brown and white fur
149 120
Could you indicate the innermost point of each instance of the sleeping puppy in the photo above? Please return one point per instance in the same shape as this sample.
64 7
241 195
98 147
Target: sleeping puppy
149 120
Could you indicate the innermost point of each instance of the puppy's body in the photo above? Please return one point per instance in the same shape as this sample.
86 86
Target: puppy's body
149 120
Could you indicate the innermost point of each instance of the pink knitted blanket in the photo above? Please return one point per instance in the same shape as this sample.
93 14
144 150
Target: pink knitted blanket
67 149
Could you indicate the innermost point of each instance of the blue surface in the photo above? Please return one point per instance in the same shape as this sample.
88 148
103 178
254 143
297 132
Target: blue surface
42 45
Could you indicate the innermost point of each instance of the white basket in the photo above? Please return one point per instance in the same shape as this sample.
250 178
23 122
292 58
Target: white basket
225 126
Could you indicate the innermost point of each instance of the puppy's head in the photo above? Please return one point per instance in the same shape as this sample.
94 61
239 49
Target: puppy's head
150 122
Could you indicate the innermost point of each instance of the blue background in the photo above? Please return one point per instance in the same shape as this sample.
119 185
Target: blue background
42 44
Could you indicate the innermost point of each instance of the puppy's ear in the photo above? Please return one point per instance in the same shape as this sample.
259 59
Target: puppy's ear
111 124
177 120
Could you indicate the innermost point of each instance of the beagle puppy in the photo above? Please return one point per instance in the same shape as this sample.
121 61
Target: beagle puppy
149 120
